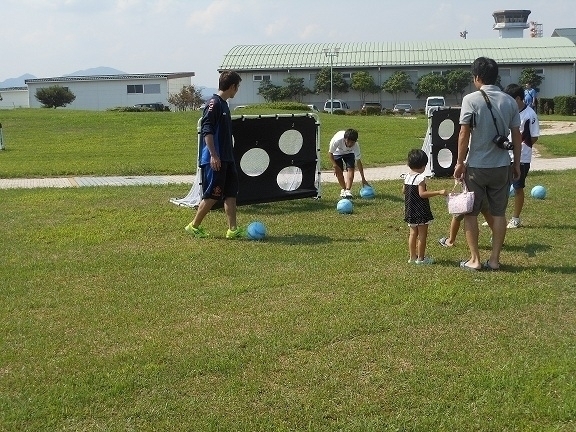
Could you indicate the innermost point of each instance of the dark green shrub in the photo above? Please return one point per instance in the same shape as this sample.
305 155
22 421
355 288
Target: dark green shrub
371 111
565 105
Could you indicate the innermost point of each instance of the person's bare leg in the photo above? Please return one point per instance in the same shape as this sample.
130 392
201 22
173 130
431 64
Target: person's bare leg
203 208
471 230
454 228
230 210
422 237
518 202
412 239
340 177
489 218
349 178
498 235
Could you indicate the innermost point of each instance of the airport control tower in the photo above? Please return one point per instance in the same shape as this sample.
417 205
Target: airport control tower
511 23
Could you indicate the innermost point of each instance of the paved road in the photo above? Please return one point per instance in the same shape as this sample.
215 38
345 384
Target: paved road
372 174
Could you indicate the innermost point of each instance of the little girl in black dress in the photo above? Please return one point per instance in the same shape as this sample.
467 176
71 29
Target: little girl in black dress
417 211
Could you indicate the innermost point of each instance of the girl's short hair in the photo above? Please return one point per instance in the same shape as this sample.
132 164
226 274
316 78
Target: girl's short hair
417 159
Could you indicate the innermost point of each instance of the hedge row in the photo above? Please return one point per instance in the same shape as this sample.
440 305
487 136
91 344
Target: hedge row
563 105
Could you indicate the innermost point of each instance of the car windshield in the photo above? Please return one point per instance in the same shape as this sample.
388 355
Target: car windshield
403 106
435 102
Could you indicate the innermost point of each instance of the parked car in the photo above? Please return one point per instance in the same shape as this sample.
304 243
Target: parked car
434 101
336 104
371 106
402 109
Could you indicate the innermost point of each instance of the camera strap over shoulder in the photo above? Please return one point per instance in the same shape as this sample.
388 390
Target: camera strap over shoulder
487 99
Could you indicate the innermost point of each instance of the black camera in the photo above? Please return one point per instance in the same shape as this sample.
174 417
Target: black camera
502 142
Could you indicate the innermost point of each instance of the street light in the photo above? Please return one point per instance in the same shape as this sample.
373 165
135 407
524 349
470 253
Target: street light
331 54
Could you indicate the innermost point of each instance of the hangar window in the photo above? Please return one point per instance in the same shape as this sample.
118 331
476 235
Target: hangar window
135 88
261 77
152 88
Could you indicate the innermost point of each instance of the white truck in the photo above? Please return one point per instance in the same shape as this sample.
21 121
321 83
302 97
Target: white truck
434 101
335 104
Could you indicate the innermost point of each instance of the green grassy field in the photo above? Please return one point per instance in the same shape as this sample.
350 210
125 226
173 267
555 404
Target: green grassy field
113 318
44 142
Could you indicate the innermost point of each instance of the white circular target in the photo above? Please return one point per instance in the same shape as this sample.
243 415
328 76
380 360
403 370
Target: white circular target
254 162
289 178
445 158
446 129
291 142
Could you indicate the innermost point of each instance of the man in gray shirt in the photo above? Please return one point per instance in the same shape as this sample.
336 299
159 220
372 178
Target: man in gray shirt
486 117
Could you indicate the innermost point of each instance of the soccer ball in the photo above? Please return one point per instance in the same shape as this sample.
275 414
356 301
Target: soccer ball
345 206
367 192
538 192
256 231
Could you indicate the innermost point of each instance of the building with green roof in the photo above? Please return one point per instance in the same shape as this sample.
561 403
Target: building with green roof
554 58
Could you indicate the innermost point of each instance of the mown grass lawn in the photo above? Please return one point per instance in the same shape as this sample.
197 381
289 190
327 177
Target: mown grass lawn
114 319
50 143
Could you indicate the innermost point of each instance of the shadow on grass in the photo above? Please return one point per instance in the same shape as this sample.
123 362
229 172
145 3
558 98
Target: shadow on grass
394 198
293 206
307 205
308 239
510 268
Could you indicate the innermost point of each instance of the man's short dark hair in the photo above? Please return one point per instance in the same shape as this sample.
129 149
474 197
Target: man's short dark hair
515 91
351 134
417 158
486 69
228 79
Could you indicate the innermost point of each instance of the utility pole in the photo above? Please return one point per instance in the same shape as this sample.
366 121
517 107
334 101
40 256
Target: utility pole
331 53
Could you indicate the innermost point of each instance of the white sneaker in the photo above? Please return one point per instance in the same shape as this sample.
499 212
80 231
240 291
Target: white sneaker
424 261
342 193
514 223
347 193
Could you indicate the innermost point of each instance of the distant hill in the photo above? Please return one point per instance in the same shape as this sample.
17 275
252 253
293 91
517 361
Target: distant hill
101 70
16 82
207 92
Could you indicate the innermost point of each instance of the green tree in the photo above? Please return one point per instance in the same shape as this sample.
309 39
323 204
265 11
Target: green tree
322 85
271 92
295 88
529 76
457 81
54 96
399 82
189 97
363 83
431 84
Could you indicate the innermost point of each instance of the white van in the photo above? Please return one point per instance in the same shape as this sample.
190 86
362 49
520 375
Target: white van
335 104
434 101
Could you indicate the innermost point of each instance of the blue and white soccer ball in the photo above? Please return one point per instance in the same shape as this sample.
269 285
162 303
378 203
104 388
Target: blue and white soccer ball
538 192
367 192
256 231
345 206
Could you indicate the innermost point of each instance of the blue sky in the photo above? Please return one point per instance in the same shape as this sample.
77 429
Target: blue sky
49 38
